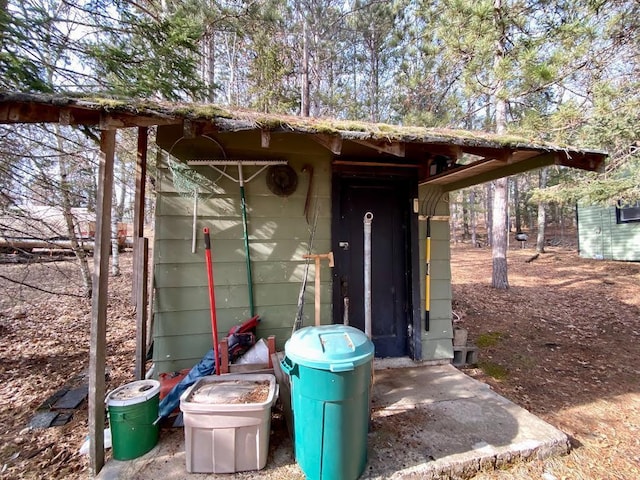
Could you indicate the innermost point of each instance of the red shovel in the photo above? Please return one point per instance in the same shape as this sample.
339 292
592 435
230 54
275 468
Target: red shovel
212 298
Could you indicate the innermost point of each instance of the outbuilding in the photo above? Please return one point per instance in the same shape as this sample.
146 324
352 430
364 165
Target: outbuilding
324 176
609 232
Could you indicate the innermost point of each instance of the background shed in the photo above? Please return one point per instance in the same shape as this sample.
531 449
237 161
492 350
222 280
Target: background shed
604 234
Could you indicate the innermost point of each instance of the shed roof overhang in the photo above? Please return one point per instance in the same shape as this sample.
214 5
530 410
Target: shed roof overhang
446 159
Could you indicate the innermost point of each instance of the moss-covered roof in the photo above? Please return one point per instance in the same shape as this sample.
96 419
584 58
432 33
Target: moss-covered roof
35 108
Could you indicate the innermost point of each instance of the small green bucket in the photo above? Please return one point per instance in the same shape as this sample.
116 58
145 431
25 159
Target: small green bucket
133 409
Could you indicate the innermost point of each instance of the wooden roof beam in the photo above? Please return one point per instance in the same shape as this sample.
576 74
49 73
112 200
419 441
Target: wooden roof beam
332 143
396 149
28 113
542 160
437 149
500 154
109 122
265 138
590 162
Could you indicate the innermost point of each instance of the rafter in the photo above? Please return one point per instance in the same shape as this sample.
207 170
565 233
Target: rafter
330 142
394 148
265 138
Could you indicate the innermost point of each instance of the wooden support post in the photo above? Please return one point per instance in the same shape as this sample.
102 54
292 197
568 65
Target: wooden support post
139 202
97 347
141 267
271 344
317 257
223 347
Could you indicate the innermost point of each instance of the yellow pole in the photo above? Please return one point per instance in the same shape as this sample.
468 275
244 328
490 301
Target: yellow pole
427 280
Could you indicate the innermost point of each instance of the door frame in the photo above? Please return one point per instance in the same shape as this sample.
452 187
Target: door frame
393 174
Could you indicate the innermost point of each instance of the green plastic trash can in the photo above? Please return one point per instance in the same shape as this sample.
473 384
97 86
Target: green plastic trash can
330 370
133 410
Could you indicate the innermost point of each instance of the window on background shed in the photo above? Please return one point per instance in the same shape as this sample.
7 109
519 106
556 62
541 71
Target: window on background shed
626 213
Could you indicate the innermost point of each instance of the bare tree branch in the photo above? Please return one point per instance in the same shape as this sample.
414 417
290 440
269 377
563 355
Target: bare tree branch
25 284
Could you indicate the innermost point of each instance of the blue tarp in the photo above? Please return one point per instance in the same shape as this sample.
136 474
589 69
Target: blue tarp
206 366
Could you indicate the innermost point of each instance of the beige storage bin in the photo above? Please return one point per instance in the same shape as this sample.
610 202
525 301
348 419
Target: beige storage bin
226 427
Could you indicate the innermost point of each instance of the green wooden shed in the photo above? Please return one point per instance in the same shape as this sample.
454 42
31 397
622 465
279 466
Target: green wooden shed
609 232
336 171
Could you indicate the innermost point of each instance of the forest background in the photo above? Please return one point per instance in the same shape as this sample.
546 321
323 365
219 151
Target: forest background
562 71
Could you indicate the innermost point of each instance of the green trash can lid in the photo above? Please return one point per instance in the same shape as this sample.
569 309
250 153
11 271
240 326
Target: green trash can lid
132 393
338 348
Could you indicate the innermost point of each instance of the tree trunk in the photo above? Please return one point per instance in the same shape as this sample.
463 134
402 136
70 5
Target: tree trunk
516 205
466 234
472 214
542 211
115 253
117 215
78 250
489 210
454 219
211 66
374 80
305 101
499 278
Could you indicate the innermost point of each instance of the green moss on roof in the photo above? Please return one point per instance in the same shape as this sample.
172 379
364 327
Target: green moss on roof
239 119
107 102
202 111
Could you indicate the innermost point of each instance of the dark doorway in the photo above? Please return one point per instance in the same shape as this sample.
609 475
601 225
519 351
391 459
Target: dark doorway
389 199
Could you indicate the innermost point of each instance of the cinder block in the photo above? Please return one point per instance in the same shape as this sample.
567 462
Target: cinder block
465 355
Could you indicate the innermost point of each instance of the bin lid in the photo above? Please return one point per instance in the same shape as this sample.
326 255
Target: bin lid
132 393
337 348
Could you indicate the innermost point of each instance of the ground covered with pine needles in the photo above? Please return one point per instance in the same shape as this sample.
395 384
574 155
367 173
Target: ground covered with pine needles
562 342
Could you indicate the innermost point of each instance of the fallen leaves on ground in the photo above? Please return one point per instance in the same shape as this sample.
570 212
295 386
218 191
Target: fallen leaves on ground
44 344
567 334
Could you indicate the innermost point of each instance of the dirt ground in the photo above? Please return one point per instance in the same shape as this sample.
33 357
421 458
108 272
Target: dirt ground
561 342
44 344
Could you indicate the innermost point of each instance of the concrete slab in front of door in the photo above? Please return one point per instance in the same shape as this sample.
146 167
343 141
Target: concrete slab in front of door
436 422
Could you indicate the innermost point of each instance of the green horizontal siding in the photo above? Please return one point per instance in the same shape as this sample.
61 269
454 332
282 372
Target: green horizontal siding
441 290
437 342
217 184
179 251
440 328
181 228
625 242
227 207
437 349
278 236
439 310
234 273
199 321
178 299
601 237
